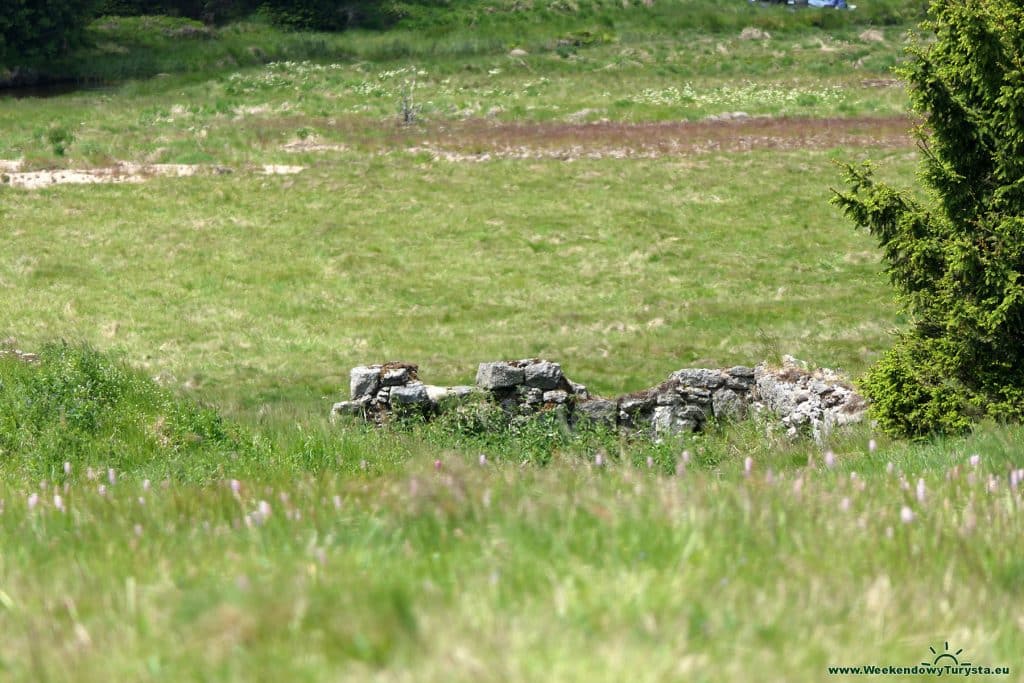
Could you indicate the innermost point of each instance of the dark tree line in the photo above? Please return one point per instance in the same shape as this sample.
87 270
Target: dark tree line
32 29
38 29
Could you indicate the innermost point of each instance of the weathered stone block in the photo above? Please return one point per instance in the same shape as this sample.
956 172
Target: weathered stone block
635 410
544 375
556 396
364 380
674 420
411 394
462 391
598 411
668 397
740 378
397 374
438 394
579 390
728 405
499 376
699 377
741 372
354 408
531 396
695 396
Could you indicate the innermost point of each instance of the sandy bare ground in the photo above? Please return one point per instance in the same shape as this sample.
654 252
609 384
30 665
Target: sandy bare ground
477 140
122 172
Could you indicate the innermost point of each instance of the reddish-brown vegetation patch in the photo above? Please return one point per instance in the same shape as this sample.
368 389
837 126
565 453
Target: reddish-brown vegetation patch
481 140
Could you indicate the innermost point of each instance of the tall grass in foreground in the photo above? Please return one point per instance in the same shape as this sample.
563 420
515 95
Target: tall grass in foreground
452 568
146 538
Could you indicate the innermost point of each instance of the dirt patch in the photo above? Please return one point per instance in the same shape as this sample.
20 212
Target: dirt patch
122 172
480 140
313 144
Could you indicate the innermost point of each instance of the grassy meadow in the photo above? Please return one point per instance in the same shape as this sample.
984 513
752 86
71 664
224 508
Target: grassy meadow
175 504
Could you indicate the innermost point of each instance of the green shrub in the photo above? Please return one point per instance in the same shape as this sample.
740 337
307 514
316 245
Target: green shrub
79 405
60 138
331 15
956 256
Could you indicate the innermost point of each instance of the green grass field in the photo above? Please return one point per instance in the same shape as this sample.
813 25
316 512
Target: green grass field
176 506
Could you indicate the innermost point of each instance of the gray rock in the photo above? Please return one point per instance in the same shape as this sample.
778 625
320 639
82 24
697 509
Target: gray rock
806 402
556 396
364 380
350 407
699 377
635 410
411 394
673 420
803 401
698 414
579 390
544 375
740 378
436 394
695 396
726 404
598 411
668 398
448 395
531 396
397 374
462 391
499 376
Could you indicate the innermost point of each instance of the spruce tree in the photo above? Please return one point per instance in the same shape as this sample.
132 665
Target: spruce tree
955 252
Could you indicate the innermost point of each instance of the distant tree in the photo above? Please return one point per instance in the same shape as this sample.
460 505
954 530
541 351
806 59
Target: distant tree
33 29
955 252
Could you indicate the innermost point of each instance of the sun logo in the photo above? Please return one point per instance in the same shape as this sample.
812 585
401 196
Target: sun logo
947 655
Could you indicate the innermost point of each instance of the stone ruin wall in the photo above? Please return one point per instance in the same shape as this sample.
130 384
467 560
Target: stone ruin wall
799 399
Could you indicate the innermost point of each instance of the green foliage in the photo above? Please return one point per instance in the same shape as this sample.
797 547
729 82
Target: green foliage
79 405
330 15
41 29
956 256
60 138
